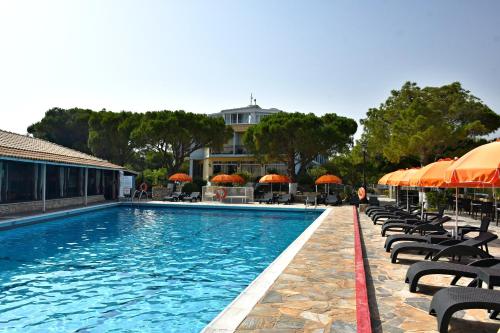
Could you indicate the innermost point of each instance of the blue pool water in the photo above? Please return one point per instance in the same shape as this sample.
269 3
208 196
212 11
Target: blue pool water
127 269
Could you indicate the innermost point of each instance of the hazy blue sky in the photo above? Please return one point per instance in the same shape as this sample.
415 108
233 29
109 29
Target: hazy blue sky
204 56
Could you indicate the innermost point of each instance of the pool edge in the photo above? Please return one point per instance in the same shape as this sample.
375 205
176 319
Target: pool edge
235 312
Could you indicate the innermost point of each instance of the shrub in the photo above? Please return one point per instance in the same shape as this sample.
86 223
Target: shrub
436 199
190 188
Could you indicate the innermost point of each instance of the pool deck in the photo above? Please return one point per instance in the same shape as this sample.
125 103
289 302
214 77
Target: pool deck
394 308
316 291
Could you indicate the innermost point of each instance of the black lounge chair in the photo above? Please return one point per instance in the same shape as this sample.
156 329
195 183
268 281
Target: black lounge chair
433 231
285 199
373 209
448 248
176 196
195 196
415 225
398 216
373 201
267 198
423 233
450 300
423 268
485 224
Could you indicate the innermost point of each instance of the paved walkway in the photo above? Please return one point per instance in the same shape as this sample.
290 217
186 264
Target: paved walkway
394 309
316 292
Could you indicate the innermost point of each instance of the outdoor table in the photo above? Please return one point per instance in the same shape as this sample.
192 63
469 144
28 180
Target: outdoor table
490 276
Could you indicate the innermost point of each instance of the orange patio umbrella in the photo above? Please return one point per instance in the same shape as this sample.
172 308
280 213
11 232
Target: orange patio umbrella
328 179
383 180
394 177
432 175
402 178
274 179
480 167
237 179
223 178
180 177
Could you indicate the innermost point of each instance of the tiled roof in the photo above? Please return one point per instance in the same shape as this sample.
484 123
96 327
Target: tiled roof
24 147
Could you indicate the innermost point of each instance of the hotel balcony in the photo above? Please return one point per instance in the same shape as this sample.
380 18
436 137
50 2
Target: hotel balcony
230 150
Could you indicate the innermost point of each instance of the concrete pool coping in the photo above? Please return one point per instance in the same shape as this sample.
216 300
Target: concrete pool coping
42 217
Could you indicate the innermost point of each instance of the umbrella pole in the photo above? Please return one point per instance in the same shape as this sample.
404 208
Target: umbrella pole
316 197
407 201
456 213
397 196
495 204
422 208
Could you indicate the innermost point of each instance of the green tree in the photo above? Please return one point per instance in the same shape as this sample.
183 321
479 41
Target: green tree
427 123
298 138
68 128
174 135
109 135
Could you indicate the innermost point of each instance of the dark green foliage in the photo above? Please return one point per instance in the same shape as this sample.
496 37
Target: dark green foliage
190 188
109 135
174 135
199 182
68 128
436 199
298 138
427 123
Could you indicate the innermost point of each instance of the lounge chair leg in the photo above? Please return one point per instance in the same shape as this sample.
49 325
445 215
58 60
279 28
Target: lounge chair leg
494 315
455 280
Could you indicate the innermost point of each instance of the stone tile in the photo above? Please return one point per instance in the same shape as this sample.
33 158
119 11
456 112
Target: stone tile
316 292
401 311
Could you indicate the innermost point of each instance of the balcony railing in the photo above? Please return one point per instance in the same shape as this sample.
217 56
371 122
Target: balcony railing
230 150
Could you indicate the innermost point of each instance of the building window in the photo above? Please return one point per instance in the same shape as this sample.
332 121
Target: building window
53 181
227 168
234 118
243 118
72 182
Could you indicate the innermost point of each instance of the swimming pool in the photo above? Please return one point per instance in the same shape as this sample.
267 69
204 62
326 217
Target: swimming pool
129 269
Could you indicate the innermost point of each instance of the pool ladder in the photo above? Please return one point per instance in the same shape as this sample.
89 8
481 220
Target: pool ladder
140 192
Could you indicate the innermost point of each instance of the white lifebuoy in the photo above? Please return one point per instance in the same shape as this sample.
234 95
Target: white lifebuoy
221 193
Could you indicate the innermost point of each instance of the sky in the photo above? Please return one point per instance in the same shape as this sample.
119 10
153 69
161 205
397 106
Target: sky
204 56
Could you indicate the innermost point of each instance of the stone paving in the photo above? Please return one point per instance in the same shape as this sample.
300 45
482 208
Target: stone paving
394 309
316 292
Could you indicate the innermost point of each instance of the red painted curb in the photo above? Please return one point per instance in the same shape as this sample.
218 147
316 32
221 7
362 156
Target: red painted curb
362 308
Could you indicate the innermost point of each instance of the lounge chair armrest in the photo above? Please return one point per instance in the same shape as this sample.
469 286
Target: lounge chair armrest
425 227
460 250
485 262
450 242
